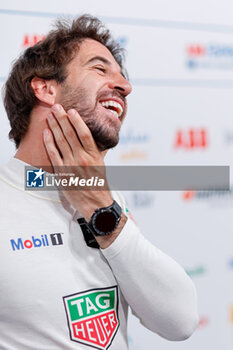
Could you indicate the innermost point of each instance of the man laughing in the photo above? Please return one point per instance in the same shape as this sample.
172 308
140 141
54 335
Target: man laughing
73 262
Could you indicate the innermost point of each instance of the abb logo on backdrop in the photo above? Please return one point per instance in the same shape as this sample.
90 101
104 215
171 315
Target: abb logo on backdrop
188 195
32 39
203 321
191 139
196 50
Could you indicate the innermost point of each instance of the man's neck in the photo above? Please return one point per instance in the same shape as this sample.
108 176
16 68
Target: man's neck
33 158
32 149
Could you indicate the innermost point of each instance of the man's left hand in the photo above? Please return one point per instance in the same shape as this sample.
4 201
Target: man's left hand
70 144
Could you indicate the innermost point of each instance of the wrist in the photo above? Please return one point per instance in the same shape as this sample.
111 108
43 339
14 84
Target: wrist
89 208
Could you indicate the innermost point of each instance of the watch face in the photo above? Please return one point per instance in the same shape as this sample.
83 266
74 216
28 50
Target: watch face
105 222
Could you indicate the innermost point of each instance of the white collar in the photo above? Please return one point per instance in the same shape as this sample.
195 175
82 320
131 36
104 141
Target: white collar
13 173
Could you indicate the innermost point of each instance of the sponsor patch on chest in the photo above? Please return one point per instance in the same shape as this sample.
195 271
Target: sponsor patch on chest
92 316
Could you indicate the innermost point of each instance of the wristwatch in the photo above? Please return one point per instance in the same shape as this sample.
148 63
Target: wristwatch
105 220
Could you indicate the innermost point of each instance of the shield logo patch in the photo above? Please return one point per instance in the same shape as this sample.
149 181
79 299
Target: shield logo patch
92 316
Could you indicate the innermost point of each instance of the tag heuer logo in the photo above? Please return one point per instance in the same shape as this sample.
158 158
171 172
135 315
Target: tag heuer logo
93 316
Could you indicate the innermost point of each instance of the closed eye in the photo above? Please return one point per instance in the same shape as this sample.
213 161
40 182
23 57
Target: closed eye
100 68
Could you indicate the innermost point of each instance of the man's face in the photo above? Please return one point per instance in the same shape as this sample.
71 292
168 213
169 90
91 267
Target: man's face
96 88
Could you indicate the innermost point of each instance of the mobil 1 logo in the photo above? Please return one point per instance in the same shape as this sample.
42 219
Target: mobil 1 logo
92 316
37 242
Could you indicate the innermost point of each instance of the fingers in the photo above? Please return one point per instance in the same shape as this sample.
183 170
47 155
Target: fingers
83 131
61 123
71 135
61 142
51 148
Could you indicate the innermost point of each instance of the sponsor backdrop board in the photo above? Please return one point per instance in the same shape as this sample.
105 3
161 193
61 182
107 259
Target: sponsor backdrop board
180 63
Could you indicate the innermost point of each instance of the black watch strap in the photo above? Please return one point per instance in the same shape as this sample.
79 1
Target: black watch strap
87 234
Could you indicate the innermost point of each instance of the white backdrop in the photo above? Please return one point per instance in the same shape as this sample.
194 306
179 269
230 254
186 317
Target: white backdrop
180 62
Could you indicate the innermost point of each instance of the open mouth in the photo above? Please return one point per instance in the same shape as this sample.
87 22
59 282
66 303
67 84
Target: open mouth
113 107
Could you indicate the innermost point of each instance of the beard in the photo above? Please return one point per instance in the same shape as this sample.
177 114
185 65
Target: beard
104 131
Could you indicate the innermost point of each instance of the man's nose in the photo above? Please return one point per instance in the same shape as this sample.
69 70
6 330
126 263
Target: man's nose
118 82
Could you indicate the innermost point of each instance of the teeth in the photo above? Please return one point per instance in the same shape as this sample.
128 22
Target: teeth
114 112
113 104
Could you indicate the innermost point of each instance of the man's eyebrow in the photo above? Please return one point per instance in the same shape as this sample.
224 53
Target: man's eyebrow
102 59
98 58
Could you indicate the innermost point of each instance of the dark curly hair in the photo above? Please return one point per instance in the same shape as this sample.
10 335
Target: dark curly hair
48 60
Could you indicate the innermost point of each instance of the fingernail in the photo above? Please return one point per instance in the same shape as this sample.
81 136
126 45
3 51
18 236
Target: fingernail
50 116
56 108
71 112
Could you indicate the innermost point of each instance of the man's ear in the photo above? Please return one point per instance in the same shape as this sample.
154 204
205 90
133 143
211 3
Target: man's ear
44 90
